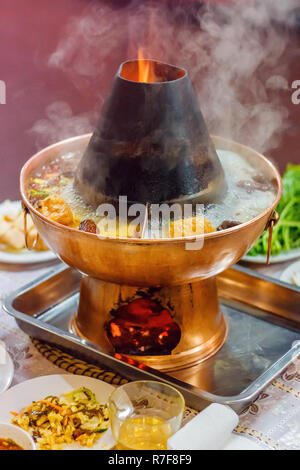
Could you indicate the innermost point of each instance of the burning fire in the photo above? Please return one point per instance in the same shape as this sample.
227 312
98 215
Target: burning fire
146 69
143 327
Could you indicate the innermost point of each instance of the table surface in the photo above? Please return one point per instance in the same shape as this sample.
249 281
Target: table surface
272 421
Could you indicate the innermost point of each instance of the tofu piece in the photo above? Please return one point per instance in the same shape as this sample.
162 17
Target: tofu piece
8 218
12 232
11 236
16 239
4 227
18 222
40 244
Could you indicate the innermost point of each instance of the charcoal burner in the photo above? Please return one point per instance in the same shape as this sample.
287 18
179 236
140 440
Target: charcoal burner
151 143
143 327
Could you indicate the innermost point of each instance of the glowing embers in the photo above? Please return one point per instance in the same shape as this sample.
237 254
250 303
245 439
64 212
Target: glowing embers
143 327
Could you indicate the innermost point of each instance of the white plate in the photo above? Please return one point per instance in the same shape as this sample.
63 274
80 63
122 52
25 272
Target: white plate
23 256
289 272
6 369
284 256
23 394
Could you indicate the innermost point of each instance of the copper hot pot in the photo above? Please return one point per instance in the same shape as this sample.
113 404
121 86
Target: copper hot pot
117 271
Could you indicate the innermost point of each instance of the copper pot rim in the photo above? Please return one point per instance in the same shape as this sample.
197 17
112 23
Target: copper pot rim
156 241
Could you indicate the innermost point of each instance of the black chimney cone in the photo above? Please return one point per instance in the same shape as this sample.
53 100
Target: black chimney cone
151 143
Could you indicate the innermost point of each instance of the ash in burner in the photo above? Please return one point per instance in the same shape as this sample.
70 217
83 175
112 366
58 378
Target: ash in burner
143 327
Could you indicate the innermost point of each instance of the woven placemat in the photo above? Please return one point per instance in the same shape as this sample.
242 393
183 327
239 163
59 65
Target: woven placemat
76 366
73 365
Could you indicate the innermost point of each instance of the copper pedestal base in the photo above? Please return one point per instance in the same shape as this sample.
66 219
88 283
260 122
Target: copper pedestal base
194 307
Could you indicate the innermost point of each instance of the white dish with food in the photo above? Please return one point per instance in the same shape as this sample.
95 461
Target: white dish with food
12 241
14 438
6 368
292 274
16 405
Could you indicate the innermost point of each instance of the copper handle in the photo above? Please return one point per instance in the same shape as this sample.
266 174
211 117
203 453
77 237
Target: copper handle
26 212
273 220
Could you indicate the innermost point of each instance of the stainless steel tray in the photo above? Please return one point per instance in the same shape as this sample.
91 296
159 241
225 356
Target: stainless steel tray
264 334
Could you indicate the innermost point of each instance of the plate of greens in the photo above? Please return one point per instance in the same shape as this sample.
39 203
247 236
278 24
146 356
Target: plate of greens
286 234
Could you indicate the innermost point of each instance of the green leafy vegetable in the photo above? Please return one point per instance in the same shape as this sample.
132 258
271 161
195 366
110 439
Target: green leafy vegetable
39 193
286 234
81 395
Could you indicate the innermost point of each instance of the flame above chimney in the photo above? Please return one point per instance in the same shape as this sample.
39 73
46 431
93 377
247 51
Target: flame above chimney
151 143
145 69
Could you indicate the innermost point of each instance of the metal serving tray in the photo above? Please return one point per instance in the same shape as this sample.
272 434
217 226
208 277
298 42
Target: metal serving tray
264 334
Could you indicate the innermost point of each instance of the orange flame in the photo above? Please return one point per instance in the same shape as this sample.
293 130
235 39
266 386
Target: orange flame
144 68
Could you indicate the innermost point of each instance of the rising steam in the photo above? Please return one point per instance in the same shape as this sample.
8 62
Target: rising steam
232 53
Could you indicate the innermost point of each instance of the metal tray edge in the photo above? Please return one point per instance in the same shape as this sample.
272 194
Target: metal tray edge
194 396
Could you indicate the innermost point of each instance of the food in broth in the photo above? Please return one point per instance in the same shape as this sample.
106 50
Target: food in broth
249 193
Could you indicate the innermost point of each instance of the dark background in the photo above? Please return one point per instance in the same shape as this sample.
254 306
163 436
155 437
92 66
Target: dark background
30 31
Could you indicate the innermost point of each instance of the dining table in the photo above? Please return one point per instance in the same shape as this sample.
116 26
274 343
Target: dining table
272 422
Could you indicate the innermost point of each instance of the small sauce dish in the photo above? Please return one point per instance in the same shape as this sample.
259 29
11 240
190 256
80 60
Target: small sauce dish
20 437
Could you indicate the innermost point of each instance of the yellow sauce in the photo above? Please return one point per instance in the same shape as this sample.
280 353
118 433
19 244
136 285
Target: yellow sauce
144 433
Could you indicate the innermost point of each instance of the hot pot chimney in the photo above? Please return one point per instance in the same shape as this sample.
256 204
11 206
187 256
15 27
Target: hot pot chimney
151 143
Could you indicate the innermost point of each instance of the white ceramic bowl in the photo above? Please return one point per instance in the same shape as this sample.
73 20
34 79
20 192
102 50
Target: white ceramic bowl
20 437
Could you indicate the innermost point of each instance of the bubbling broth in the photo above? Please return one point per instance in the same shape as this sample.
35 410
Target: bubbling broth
249 193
